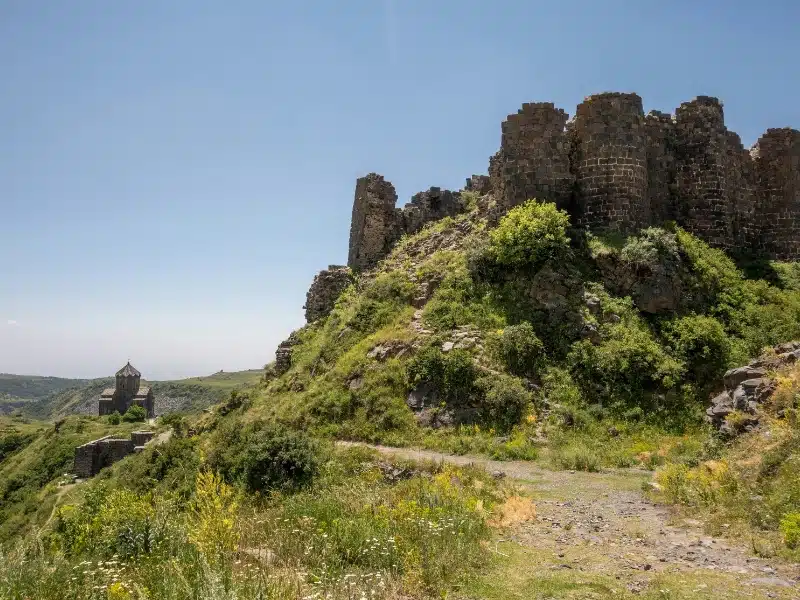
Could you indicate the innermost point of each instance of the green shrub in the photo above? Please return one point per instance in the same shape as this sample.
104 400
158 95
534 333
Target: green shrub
171 467
280 458
702 344
627 366
393 286
177 421
134 414
790 528
264 456
576 458
453 374
650 249
114 418
505 401
518 348
529 235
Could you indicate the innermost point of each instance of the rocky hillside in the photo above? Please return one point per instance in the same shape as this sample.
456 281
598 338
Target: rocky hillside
495 327
516 336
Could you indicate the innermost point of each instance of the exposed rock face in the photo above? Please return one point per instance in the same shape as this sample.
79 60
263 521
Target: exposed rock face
654 289
283 355
326 288
747 388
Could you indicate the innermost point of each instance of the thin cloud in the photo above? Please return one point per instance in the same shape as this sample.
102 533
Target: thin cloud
12 323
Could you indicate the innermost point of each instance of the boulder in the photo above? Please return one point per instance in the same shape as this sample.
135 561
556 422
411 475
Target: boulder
734 377
721 407
423 396
387 350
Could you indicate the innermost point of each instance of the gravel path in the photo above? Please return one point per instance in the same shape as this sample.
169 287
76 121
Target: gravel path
602 522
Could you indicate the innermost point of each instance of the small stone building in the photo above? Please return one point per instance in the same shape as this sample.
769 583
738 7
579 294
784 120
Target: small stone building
128 391
93 456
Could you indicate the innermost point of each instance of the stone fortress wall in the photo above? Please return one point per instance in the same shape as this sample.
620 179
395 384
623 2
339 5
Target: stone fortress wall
612 167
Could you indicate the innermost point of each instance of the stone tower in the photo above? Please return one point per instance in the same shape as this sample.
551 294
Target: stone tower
611 162
373 228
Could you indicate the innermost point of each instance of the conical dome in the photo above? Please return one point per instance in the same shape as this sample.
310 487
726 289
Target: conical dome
128 371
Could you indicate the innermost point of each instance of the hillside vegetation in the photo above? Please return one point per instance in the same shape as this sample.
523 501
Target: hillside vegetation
525 340
18 390
193 393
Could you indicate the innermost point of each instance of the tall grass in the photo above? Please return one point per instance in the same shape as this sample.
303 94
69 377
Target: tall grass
354 534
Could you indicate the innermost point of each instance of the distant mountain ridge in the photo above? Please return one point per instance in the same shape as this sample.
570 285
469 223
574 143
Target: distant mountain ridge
50 397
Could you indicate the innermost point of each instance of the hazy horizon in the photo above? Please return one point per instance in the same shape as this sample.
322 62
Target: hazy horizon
173 175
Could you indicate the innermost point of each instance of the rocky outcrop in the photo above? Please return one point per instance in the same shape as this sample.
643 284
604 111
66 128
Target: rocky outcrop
283 355
746 390
326 288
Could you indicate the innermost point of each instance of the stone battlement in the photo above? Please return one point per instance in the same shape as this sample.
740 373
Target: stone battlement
614 168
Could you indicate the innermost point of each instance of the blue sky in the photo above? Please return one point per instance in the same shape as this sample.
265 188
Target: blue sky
173 174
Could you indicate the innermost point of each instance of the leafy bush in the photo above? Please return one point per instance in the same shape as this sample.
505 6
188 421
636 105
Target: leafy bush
627 366
529 235
702 344
265 456
116 521
170 467
114 418
453 374
177 421
650 249
518 348
790 529
134 414
505 401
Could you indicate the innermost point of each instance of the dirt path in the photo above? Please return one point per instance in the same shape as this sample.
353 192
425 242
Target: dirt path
601 523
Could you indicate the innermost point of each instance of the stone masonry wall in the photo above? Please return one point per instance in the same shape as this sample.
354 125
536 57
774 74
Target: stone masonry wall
777 166
429 206
533 161
611 162
326 288
612 167
377 224
372 229
704 204
660 134
93 456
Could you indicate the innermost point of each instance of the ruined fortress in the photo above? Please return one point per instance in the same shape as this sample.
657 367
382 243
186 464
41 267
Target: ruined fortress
611 167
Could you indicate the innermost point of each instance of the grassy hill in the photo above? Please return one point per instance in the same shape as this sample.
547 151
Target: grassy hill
18 390
194 393
526 340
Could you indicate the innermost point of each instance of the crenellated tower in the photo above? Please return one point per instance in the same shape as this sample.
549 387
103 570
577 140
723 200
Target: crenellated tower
610 162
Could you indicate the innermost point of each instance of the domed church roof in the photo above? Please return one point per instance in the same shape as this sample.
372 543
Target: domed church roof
128 371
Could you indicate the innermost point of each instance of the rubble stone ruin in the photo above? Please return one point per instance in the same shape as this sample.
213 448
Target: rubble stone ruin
93 456
611 167
127 391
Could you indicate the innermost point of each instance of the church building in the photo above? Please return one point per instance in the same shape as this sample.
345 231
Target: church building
127 392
